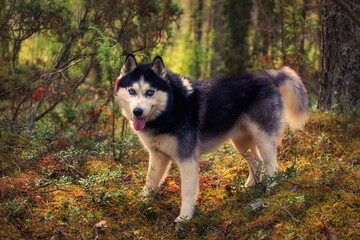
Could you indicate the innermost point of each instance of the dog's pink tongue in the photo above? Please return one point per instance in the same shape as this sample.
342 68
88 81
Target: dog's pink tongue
139 123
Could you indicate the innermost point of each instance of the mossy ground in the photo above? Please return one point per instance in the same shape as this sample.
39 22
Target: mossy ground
70 193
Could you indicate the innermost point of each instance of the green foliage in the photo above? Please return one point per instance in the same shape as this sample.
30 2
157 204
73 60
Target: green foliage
102 177
71 155
299 33
17 209
70 54
110 55
22 19
191 51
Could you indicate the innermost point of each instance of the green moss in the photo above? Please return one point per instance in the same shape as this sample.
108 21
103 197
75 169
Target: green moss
318 183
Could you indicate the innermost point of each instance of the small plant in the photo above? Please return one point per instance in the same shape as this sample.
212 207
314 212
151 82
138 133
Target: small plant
17 209
71 156
260 235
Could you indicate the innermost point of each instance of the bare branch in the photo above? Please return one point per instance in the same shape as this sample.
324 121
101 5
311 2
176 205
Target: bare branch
75 87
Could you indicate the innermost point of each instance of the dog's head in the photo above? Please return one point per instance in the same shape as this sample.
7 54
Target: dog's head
142 90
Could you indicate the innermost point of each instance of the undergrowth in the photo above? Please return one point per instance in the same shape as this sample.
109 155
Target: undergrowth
78 190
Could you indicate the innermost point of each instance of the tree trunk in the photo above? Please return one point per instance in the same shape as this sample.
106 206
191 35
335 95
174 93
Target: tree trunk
5 53
283 51
15 53
237 20
216 42
340 49
198 28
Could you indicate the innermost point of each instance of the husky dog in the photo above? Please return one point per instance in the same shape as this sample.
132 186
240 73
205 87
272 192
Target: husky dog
178 118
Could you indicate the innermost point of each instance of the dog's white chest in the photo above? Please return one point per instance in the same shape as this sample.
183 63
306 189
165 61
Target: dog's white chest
163 143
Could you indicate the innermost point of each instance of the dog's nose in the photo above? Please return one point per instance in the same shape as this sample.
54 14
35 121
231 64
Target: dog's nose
138 112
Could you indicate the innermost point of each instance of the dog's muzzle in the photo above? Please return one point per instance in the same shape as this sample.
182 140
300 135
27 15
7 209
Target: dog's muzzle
138 112
138 121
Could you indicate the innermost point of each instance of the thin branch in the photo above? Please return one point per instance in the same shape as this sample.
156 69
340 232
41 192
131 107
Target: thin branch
250 195
64 67
36 188
11 90
77 171
37 118
56 189
49 75
288 212
62 98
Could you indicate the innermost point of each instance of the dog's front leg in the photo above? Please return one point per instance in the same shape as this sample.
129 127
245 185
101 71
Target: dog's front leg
189 173
159 166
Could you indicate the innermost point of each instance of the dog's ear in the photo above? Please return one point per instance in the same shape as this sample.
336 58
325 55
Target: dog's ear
158 67
129 65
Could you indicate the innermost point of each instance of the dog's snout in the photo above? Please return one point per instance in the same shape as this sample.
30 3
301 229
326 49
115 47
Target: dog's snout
138 112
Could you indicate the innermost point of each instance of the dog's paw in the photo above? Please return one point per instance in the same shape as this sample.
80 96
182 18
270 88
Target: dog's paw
251 181
148 192
181 219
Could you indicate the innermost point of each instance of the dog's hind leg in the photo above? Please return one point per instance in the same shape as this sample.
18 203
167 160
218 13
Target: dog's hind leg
246 146
159 165
268 151
266 142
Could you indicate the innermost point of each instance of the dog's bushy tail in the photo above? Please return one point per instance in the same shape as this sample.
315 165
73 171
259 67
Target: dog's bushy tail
294 95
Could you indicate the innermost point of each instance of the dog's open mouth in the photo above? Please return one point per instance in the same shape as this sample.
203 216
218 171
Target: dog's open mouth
139 123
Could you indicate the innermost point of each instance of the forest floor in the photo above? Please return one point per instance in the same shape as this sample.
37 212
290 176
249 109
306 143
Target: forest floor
52 190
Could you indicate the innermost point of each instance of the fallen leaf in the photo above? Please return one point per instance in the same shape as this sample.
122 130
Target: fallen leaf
226 224
172 185
173 188
79 193
101 224
295 187
128 177
330 233
4 192
279 225
320 225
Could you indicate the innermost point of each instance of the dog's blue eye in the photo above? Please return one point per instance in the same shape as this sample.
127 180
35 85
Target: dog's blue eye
132 91
149 93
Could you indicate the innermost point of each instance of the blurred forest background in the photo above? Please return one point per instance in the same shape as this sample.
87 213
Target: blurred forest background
59 60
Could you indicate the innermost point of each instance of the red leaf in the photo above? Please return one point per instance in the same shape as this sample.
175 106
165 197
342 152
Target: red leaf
37 94
173 187
226 224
